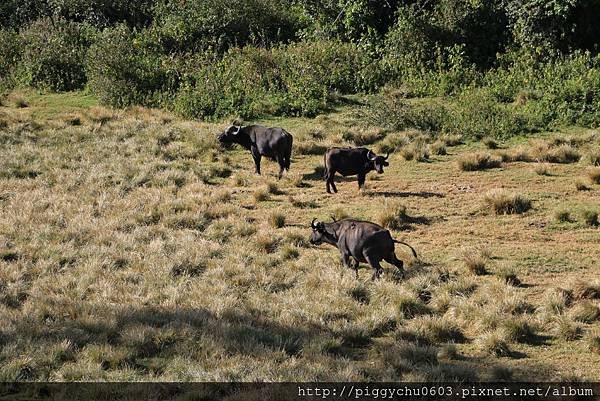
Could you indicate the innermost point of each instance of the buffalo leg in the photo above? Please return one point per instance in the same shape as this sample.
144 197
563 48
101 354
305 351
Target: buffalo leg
355 265
393 260
349 263
329 176
281 162
377 269
361 181
256 156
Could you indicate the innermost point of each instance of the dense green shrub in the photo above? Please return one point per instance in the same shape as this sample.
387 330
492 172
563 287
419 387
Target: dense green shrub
474 114
15 14
54 53
125 68
10 54
292 79
439 48
220 24
559 25
103 13
559 91
390 110
477 114
238 83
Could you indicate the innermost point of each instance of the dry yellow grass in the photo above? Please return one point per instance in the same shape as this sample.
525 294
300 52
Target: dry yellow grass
501 201
478 161
133 248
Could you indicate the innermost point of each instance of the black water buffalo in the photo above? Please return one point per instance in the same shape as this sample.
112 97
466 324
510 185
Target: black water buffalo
351 161
361 240
274 143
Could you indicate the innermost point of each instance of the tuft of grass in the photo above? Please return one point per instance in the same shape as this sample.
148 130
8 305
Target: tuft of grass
580 185
261 195
266 243
557 300
310 148
593 158
393 142
542 169
302 204
72 120
438 148
593 174
448 351
490 143
452 139
438 329
339 213
590 217
240 180
566 329
478 161
563 154
19 102
298 182
360 294
563 216
585 289
494 343
518 154
415 151
355 336
416 354
362 138
500 373
289 252
509 276
393 216
410 307
100 115
277 219
501 201
273 189
519 329
585 312
557 152
188 267
475 261
593 341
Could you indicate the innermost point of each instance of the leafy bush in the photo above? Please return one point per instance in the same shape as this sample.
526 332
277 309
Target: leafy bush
103 13
390 110
294 79
477 114
54 54
220 24
125 69
10 53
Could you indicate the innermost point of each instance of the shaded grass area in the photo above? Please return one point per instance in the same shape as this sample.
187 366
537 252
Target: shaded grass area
138 249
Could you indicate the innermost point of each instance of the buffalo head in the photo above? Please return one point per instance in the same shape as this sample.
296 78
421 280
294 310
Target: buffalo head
379 162
230 135
319 232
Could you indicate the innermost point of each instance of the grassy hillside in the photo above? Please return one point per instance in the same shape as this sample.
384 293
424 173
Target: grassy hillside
133 248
